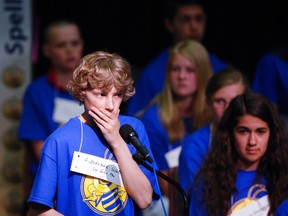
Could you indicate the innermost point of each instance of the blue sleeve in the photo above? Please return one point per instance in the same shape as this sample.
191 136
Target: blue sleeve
194 150
45 183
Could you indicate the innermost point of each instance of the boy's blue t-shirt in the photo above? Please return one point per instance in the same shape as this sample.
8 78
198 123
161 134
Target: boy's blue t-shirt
78 194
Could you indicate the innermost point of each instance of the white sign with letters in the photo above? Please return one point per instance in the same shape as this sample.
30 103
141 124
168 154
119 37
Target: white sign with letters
98 167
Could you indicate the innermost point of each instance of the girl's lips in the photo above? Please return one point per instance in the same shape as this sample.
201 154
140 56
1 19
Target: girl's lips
252 151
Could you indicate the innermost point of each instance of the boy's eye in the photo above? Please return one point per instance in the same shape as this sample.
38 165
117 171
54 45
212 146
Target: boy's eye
98 94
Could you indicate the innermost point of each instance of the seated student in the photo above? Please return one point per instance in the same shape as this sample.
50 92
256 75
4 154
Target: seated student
71 179
271 80
47 103
63 45
247 167
178 110
221 89
184 19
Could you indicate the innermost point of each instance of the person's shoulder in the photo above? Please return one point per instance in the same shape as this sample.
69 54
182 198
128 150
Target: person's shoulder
151 112
41 79
199 137
214 56
161 56
200 133
159 60
269 57
64 136
39 82
216 63
68 127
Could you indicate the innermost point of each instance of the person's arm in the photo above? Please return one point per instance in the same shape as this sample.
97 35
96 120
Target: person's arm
136 183
42 210
164 185
37 148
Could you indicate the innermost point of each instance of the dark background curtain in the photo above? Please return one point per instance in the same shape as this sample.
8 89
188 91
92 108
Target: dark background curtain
239 32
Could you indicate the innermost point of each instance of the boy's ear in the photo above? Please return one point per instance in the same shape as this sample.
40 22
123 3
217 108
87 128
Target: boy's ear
82 95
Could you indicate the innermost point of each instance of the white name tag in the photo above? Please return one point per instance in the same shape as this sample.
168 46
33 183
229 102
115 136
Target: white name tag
259 207
97 167
65 109
172 157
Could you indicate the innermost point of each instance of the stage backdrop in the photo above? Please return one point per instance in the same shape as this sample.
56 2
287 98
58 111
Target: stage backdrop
15 73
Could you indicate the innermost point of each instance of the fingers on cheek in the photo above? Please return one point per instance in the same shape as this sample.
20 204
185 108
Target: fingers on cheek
93 114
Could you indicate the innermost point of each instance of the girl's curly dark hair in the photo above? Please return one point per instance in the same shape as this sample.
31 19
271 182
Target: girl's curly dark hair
218 175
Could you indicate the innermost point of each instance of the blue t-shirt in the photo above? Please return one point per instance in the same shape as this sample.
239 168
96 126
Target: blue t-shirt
75 193
36 121
158 136
151 80
282 210
271 80
195 148
247 189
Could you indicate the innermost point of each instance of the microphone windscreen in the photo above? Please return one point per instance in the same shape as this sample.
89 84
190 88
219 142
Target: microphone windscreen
126 131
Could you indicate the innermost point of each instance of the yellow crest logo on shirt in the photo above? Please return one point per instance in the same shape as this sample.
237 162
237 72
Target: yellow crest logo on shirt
103 197
251 197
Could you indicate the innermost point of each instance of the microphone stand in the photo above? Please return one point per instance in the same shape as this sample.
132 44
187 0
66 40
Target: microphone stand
138 158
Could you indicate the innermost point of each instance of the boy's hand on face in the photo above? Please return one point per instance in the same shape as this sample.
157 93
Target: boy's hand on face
108 123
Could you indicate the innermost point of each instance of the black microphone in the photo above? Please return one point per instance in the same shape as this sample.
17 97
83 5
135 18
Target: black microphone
130 136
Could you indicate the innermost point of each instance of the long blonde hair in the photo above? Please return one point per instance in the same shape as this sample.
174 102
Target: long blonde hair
169 113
